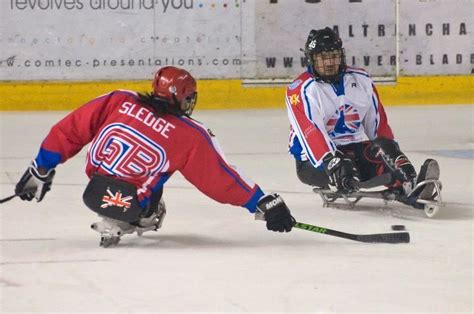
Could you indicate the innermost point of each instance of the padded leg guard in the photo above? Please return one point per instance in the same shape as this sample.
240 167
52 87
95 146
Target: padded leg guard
310 175
388 152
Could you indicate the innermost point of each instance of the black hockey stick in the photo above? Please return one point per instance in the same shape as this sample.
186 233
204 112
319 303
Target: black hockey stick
394 237
380 180
6 199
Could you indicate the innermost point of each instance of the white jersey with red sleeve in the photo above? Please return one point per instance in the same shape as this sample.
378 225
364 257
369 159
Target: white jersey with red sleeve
129 141
324 116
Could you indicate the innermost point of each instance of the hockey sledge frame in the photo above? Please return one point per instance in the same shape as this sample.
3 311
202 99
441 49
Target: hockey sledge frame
431 206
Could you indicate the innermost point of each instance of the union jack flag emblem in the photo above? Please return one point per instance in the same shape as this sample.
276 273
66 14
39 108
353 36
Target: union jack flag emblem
116 200
347 122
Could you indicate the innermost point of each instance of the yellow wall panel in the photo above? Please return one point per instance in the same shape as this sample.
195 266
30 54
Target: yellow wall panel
226 94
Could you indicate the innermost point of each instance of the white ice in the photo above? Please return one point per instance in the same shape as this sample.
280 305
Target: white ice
210 257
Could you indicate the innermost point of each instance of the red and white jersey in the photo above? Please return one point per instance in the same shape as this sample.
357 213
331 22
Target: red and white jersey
129 141
324 116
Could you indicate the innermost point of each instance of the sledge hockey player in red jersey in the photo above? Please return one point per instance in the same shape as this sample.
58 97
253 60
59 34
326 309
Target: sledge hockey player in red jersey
340 135
138 141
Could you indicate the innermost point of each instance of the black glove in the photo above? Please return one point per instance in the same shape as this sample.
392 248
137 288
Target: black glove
33 184
341 171
276 213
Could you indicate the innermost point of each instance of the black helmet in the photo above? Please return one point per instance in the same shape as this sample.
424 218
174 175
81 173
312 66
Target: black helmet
323 40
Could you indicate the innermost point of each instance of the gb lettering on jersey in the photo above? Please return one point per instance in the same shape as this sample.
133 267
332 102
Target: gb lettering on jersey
120 149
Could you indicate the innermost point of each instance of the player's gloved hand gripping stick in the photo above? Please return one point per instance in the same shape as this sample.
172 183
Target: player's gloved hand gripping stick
274 211
34 183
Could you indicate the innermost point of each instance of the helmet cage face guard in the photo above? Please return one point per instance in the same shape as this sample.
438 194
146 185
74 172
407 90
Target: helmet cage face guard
329 64
188 103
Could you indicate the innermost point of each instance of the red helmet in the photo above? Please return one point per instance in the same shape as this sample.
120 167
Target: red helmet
176 86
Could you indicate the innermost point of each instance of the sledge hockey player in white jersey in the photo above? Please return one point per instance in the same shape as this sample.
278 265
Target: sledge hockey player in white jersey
340 135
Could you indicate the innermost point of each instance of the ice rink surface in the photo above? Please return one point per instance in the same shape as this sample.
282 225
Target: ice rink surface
210 257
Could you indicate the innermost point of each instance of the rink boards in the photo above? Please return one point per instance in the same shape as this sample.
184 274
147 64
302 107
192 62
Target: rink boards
226 94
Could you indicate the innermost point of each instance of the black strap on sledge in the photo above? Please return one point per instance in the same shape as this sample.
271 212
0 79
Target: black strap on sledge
112 198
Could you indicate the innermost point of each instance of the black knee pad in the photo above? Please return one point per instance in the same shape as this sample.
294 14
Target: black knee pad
382 146
387 151
310 175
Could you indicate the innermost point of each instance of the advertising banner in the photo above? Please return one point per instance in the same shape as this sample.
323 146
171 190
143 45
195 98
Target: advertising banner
118 39
228 39
436 37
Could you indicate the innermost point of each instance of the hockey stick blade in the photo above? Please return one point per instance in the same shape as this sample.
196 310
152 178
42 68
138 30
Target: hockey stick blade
6 199
394 237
